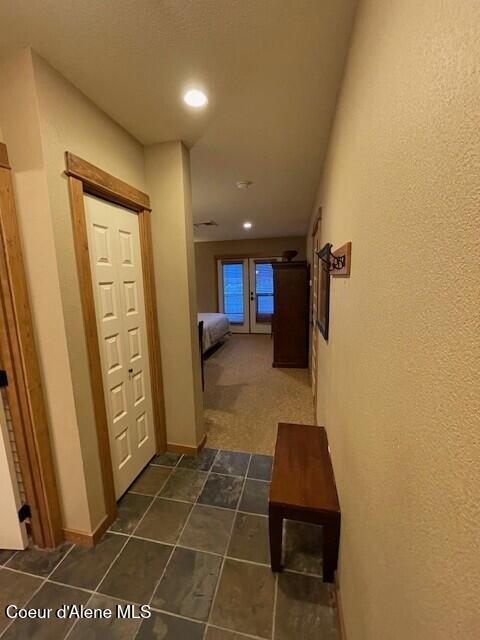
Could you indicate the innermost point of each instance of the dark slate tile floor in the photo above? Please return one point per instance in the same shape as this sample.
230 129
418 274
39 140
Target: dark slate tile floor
191 540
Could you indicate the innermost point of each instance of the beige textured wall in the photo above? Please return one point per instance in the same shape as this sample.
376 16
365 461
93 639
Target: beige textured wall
43 116
21 127
71 122
168 176
205 253
399 379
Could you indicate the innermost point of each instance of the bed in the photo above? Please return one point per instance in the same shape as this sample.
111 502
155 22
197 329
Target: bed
215 327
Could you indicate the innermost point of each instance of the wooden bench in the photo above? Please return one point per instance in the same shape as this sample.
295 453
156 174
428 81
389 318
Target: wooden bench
303 488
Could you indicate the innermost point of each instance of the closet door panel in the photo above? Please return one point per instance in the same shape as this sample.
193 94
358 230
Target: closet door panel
115 258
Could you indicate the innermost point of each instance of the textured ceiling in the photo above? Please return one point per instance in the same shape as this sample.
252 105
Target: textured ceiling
271 69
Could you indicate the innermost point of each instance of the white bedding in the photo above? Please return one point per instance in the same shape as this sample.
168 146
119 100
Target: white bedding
215 327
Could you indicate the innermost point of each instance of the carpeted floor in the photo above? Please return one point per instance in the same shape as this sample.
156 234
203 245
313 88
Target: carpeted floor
245 397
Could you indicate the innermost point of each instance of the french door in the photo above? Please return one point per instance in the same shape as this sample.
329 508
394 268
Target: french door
245 293
116 265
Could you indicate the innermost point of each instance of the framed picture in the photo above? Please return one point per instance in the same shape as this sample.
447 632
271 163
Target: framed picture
323 297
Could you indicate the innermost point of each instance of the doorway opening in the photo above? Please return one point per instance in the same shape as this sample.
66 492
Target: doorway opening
26 465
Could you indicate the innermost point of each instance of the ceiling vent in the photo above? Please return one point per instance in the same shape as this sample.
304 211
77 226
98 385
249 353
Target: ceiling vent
208 223
243 184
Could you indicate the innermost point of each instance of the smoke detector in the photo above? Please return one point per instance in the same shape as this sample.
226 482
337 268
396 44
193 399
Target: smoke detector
208 223
243 184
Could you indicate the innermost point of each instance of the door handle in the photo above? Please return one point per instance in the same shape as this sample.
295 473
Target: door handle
251 296
130 374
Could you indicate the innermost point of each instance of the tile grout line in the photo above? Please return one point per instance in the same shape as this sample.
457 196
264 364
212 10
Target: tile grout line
224 557
275 595
222 564
44 581
240 633
89 601
218 473
211 506
157 584
298 572
131 535
128 538
95 591
217 586
10 558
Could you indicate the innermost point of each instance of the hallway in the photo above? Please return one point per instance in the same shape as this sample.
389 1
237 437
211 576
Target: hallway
245 397
288 183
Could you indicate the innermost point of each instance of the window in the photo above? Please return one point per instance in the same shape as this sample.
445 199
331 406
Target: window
233 292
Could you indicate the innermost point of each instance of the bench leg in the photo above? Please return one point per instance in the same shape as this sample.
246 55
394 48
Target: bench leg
275 523
331 540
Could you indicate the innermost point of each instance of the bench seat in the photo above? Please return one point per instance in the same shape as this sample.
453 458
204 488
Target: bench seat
303 488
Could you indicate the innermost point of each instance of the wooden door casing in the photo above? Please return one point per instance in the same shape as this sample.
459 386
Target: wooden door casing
18 356
85 178
314 269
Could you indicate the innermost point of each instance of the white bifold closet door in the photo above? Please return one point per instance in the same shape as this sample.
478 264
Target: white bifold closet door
116 265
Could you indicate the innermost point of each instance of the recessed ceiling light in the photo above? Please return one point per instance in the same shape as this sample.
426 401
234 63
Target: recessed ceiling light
195 98
243 184
247 225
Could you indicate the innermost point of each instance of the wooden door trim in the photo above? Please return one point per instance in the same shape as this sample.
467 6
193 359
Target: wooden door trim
313 324
77 207
100 183
4 162
153 335
19 358
86 178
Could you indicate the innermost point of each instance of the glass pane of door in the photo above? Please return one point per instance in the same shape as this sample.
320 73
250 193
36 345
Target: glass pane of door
264 291
233 292
261 294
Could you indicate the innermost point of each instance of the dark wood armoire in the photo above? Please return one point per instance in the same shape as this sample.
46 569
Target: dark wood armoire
290 317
